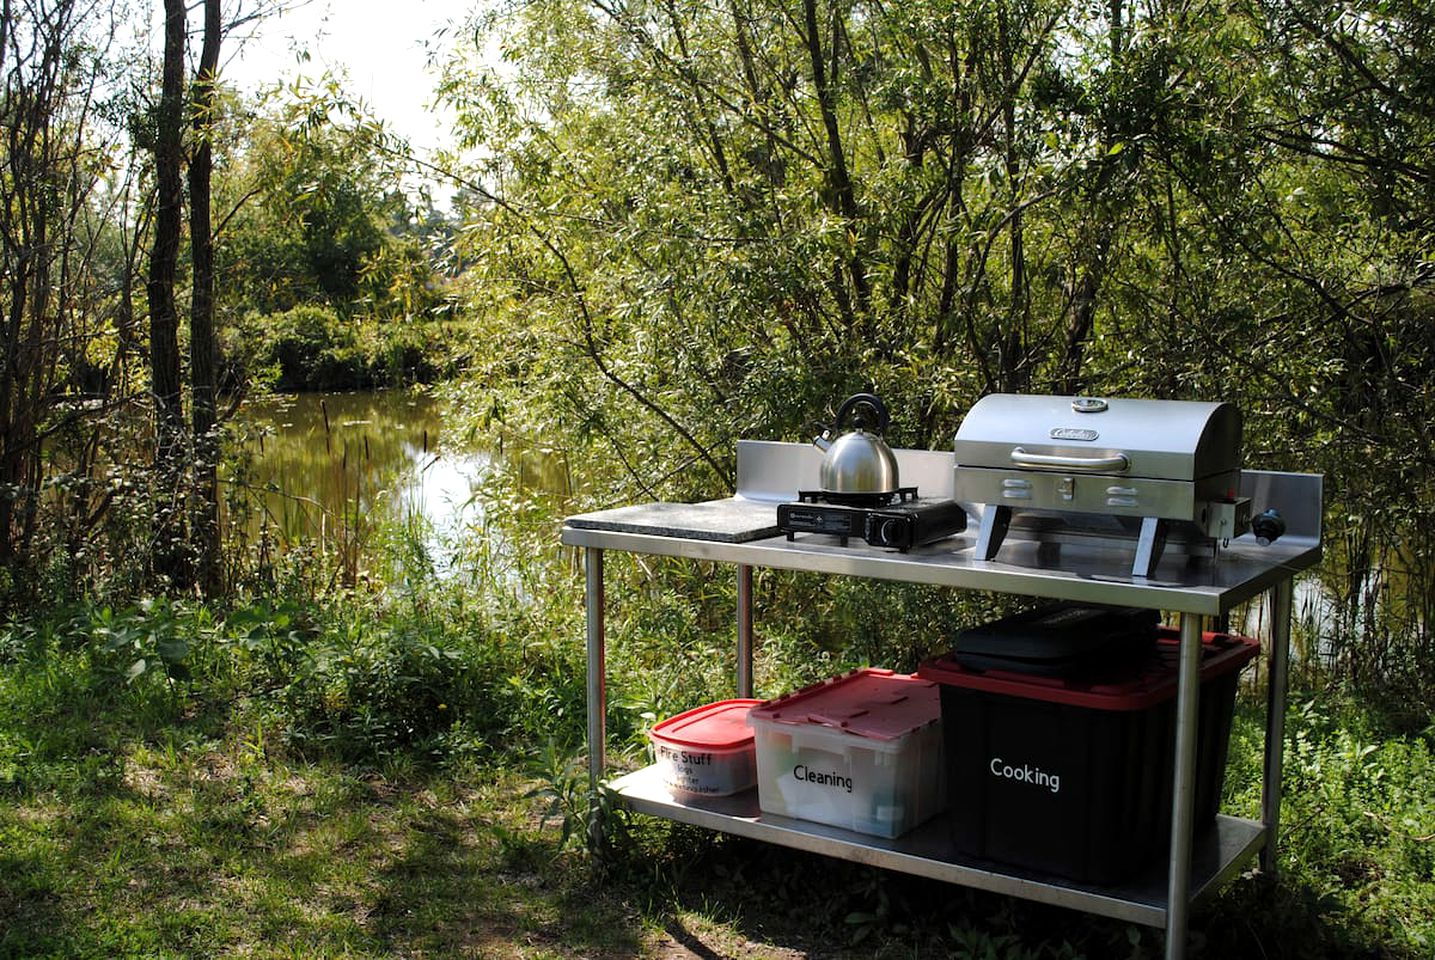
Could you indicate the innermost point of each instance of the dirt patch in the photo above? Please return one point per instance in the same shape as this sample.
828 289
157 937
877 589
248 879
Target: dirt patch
144 781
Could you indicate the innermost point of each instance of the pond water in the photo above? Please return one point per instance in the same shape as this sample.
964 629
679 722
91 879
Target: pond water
334 467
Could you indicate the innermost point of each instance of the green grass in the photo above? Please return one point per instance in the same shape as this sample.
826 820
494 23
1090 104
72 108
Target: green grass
401 775
193 856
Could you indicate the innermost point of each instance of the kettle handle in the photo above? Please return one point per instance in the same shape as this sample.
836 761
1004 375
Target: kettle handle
860 398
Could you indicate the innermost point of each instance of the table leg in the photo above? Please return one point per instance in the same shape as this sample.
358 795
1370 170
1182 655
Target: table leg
1281 595
744 630
597 689
1188 693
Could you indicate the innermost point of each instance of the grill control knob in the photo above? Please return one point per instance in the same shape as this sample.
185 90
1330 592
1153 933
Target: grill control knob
1268 526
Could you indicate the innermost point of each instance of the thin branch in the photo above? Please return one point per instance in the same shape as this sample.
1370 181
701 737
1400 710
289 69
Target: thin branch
586 320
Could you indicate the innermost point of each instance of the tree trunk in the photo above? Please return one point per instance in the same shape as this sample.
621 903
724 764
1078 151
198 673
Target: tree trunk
1089 273
32 89
167 548
1015 372
842 198
204 519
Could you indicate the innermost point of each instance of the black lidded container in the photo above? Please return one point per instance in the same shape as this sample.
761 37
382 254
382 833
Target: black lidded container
1072 775
1060 641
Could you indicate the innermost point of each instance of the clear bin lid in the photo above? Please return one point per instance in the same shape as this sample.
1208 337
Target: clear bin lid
871 703
715 726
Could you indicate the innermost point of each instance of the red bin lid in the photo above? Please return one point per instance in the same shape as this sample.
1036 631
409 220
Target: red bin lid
1221 654
872 703
715 726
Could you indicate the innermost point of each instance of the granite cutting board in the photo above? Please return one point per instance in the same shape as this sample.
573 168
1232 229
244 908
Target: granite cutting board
733 520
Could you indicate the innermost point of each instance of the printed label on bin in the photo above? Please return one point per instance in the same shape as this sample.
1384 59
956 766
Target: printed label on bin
688 758
806 774
1025 773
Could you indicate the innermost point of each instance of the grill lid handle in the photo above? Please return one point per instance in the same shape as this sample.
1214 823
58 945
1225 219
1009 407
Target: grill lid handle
1117 463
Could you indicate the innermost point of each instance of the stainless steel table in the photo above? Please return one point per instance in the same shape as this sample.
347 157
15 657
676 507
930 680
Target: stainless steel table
1095 571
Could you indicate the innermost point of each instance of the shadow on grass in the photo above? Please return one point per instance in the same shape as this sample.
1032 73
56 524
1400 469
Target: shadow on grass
217 847
690 942
461 885
824 908
130 828
33 920
222 865
1275 917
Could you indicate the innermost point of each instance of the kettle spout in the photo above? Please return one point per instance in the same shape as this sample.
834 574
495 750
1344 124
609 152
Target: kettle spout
822 442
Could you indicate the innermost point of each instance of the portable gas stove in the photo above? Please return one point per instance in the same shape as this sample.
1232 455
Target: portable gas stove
899 519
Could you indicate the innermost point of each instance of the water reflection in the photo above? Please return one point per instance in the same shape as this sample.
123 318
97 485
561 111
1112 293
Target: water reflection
335 467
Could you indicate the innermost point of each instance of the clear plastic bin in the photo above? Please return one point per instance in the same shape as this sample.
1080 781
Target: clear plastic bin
862 751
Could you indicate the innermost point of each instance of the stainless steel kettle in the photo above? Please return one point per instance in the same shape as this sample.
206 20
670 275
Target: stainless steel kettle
858 464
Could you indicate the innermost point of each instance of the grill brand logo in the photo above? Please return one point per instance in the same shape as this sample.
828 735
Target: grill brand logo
1073 433
1026 774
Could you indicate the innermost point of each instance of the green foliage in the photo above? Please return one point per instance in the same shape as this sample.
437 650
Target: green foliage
140 640
695 225
367 690
315 348
307 347
321 216
1356 874
441 689
1363 817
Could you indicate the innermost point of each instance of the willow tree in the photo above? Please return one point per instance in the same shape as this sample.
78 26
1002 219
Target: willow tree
754 208
697 222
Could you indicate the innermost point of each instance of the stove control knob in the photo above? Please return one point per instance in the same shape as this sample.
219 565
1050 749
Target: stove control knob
889 533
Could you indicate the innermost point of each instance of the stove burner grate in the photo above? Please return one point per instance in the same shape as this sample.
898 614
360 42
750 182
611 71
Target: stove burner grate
900 495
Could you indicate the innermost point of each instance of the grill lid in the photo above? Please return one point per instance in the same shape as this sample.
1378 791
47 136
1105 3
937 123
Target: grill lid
1159 439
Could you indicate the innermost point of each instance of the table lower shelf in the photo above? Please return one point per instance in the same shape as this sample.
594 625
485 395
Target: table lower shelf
1217 853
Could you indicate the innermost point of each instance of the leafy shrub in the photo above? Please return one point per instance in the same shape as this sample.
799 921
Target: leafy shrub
425 677
405 351
312 347
1356 873
306 348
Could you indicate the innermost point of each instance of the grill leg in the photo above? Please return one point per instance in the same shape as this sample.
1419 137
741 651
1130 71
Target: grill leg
995 520
1149 546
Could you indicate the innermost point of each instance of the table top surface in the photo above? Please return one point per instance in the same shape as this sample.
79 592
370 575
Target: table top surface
1094 572
1032 561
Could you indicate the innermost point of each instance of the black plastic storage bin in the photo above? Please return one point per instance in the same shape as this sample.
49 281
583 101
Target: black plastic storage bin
1063 640
1072 775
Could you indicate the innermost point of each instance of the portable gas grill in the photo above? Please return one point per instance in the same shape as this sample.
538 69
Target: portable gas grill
1145 468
